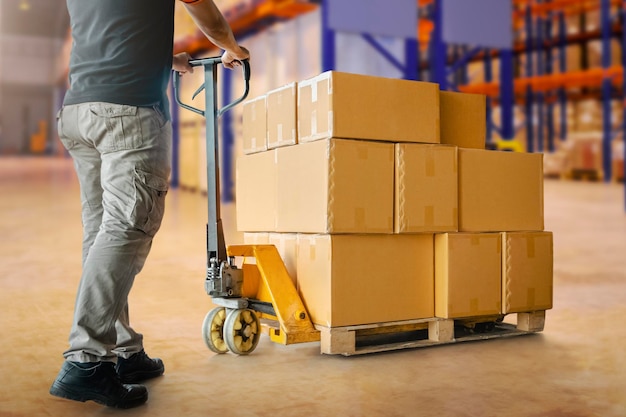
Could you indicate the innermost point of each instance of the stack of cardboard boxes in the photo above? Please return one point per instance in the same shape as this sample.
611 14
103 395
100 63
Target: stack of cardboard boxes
384 205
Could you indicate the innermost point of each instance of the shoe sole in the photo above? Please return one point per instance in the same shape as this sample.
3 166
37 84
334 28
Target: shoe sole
139 376
61 391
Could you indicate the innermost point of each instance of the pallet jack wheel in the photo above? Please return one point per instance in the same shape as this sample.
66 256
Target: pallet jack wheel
213 330
242 331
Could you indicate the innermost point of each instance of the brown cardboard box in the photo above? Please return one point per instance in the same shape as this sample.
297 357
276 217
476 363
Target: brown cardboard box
287 246
426 195
256 192
467 275
335 186
359 279
526 271
351 106
463 119
256 238
500 191
282 116
255 125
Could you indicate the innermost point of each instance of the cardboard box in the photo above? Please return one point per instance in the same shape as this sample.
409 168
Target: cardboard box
500 191
335 186
351 106
256 238
282 116
467 275
287 246
348 280
426 194
255 125
463 119
256 192
527 270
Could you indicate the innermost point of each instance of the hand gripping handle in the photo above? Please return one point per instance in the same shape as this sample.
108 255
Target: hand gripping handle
214 61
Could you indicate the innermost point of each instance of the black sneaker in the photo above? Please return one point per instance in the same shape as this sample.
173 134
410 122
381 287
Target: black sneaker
139 367
97 382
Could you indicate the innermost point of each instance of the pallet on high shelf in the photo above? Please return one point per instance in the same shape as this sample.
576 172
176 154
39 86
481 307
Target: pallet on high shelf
381 337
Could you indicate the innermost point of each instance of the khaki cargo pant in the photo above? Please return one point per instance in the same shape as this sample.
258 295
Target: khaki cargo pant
122 156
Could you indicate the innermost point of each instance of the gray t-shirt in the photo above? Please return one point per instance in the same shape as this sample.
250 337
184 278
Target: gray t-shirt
121 51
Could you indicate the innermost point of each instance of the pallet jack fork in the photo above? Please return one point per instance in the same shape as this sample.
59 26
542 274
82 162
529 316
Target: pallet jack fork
257 290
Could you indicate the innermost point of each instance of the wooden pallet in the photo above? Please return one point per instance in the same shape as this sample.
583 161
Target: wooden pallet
382 337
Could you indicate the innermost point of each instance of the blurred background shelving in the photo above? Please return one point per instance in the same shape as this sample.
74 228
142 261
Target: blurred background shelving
557 89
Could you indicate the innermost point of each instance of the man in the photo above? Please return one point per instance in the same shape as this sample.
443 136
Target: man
115 124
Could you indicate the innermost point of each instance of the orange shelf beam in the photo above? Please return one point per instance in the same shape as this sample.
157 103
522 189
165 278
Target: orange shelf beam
575 79
244 19
569 7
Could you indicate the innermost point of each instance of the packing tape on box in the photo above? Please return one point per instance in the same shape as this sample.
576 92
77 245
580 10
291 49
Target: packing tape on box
279 132
330 153
313 82
326 77
530 246
314 92
304 84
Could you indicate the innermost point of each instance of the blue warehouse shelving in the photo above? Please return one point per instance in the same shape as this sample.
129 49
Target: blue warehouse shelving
532 74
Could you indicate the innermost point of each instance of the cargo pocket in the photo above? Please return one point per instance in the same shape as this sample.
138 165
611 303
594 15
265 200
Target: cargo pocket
150 191
122 124
160 118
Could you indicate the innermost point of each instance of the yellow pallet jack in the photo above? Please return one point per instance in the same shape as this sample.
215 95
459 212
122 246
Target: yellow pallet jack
259 289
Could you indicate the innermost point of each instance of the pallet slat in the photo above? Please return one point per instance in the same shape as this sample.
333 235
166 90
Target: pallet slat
378 337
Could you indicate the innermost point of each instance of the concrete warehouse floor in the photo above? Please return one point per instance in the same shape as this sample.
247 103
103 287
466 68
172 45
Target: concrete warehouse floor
576 367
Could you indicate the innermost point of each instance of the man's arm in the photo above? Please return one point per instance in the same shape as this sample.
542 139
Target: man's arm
211 22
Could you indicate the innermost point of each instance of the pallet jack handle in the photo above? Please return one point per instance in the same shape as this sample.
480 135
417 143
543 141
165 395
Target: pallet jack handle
216 246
